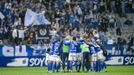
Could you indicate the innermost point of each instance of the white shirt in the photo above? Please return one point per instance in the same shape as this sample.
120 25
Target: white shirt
68 1
21 33
110 41
79 10
95 34
14 33
53 32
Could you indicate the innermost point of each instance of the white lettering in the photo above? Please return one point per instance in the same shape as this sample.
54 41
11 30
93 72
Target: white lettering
129 60
20 51
8 51
37 61
32 62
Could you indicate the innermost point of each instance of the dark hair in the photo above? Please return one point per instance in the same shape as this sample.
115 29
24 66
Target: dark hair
74 38
104 52
48 50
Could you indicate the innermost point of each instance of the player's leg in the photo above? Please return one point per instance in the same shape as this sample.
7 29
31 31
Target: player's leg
58 63
50 63
63 61
87 61
75 61
103 64
54 66
94 63
79 61
100 61
83 61
53 62
47 62
67 56
79 66
91 66
70 59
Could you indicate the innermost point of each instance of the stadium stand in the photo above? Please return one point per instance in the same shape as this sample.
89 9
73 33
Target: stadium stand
113 19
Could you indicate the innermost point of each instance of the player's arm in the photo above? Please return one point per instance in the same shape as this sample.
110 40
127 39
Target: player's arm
51 48
60 46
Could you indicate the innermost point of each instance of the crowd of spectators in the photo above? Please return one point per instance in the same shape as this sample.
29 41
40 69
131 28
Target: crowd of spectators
71 16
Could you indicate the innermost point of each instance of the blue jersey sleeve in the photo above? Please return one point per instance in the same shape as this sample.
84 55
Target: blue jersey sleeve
56 48
97 49
51 48
78 47
60 47
92 50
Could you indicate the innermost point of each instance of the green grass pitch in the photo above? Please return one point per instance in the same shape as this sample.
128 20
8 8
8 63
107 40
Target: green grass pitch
111 70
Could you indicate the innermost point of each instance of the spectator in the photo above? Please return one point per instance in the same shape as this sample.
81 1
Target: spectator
75 17
21 35
118 31
15 35
118 8
102 6
17 22
130 44
95 34
111 18
110 41
1 34
128 22
128 6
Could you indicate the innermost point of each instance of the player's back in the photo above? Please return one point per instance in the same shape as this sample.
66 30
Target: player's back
73 48
96 46
84 47
56 48
92 50
65 45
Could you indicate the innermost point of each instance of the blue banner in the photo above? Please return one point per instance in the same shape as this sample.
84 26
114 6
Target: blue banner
23 50
32 61
32 56
128 60
22 56
120 60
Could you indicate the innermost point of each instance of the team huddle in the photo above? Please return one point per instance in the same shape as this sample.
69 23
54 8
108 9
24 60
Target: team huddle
84 53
